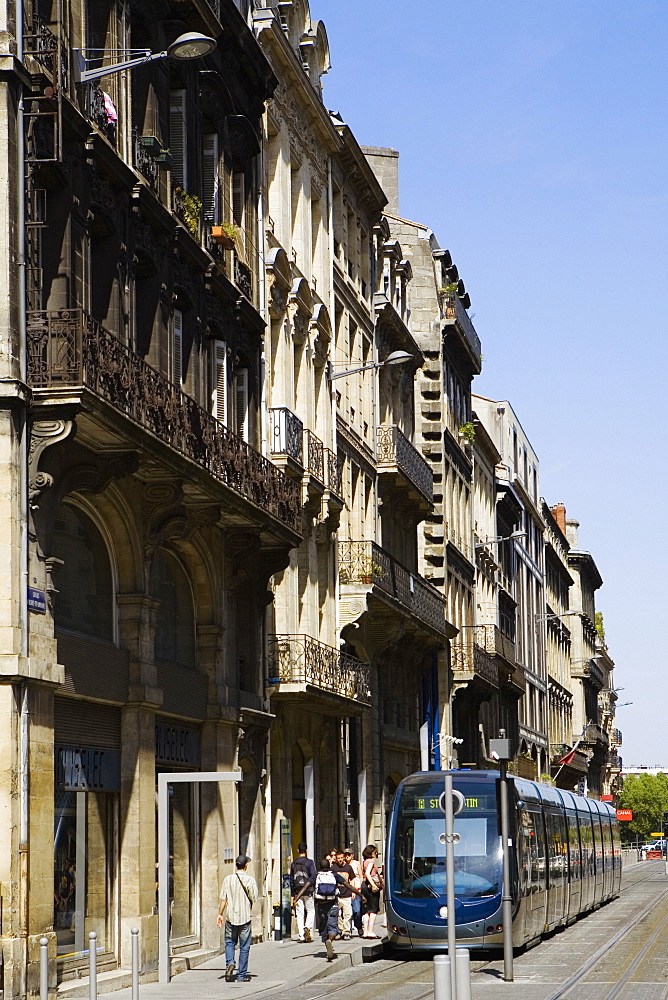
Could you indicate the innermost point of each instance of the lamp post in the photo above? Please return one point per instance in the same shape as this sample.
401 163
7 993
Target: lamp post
500 750
191 45
501 538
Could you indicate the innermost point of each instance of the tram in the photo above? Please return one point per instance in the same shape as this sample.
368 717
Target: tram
565 860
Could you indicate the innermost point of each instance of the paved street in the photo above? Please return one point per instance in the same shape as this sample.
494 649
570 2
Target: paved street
287 970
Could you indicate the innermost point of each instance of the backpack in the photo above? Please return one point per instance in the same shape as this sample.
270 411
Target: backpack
300 878
325 885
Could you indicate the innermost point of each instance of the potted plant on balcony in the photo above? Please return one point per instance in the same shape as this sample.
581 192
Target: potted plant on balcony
226 235
189 210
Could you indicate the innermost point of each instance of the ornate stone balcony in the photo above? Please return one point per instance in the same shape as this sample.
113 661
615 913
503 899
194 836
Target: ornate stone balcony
456 314
367 565
69 354
614 762
397 456
299 665
615 738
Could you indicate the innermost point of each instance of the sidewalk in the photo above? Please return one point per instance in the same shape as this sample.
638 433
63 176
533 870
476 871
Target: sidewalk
272 964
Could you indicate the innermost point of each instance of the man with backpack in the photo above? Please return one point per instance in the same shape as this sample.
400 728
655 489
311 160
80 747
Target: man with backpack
302 881
327 904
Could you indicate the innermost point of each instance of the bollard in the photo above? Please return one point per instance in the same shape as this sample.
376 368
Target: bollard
135 963
278 924
463 973
43 968
92 960
442 988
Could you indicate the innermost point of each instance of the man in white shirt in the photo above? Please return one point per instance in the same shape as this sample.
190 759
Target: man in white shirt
237 895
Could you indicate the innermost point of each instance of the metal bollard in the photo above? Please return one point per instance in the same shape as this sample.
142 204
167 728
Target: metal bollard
135 963
92 964
43 968
442 988
463 973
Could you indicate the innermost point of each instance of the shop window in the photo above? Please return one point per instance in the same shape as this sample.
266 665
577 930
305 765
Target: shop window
175 620
84 595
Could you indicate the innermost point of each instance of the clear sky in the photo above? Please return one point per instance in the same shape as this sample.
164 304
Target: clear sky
533 142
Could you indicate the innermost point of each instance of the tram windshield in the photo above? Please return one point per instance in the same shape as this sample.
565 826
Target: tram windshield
418 862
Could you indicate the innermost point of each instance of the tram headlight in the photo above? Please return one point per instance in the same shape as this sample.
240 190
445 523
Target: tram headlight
443 912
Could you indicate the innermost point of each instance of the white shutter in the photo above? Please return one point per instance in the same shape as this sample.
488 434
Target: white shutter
210 192
178 137
177 348
218 379
241 403
239 199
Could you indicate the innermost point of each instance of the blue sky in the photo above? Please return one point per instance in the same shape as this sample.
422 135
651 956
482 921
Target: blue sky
533 142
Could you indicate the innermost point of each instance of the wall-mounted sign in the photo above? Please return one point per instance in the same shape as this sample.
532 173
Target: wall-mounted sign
37 601
624 815
87 769
607 798
176 745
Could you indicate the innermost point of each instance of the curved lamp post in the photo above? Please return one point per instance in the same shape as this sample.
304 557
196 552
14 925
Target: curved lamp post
190 45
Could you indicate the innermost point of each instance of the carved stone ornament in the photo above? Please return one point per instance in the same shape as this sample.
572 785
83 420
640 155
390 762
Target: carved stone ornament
43 433
252 741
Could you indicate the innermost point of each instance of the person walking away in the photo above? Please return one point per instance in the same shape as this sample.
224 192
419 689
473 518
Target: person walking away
345 894
302 880
372 883
325 893
237 895
356 883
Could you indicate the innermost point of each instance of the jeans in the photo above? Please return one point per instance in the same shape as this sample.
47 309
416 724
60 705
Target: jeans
357 913
238 934
305 912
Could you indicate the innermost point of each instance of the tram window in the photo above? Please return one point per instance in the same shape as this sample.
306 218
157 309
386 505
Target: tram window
574 848
418 868
556 843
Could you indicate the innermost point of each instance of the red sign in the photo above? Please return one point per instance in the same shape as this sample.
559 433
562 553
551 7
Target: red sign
624 815
607 798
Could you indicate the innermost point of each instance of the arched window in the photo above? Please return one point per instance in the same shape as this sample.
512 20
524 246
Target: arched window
84 598
175 624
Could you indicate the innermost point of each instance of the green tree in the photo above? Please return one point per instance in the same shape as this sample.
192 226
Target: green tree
647 796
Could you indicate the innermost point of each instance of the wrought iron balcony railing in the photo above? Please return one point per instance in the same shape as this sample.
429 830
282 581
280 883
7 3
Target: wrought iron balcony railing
474 649
334 472
366 563
394 449
615 737
454 310
145 163
315 455
472 659
67 347
287 432
298 659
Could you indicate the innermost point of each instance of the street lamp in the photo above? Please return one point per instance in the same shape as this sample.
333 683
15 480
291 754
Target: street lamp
191 45
395 358
501 538
564 614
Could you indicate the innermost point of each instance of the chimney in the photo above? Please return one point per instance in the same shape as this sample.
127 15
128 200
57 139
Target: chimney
559 514
385 164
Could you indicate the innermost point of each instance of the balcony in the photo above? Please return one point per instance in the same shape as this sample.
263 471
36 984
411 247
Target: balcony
457 316
614 762
471 661
334 473
70 355
287 444
398 458
487 654
365 564
615 738
304 667
315 456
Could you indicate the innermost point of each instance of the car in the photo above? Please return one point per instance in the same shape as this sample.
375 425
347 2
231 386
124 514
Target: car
655 845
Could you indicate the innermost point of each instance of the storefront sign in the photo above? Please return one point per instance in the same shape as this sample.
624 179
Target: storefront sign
36 601
624 815
176 745
86 769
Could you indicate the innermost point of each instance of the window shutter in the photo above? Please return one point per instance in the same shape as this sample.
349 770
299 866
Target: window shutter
218 380
241 403
177 348
239 199
178 137
210 192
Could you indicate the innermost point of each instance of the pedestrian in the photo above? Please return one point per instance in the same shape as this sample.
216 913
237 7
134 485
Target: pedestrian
356 882
346 893
302 881
372 883
327 905
237 895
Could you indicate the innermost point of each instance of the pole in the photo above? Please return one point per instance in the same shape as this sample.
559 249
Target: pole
92 964
43 968
450 882
506 896
135 963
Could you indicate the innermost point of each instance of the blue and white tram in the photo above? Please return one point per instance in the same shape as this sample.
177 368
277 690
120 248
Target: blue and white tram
565 860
